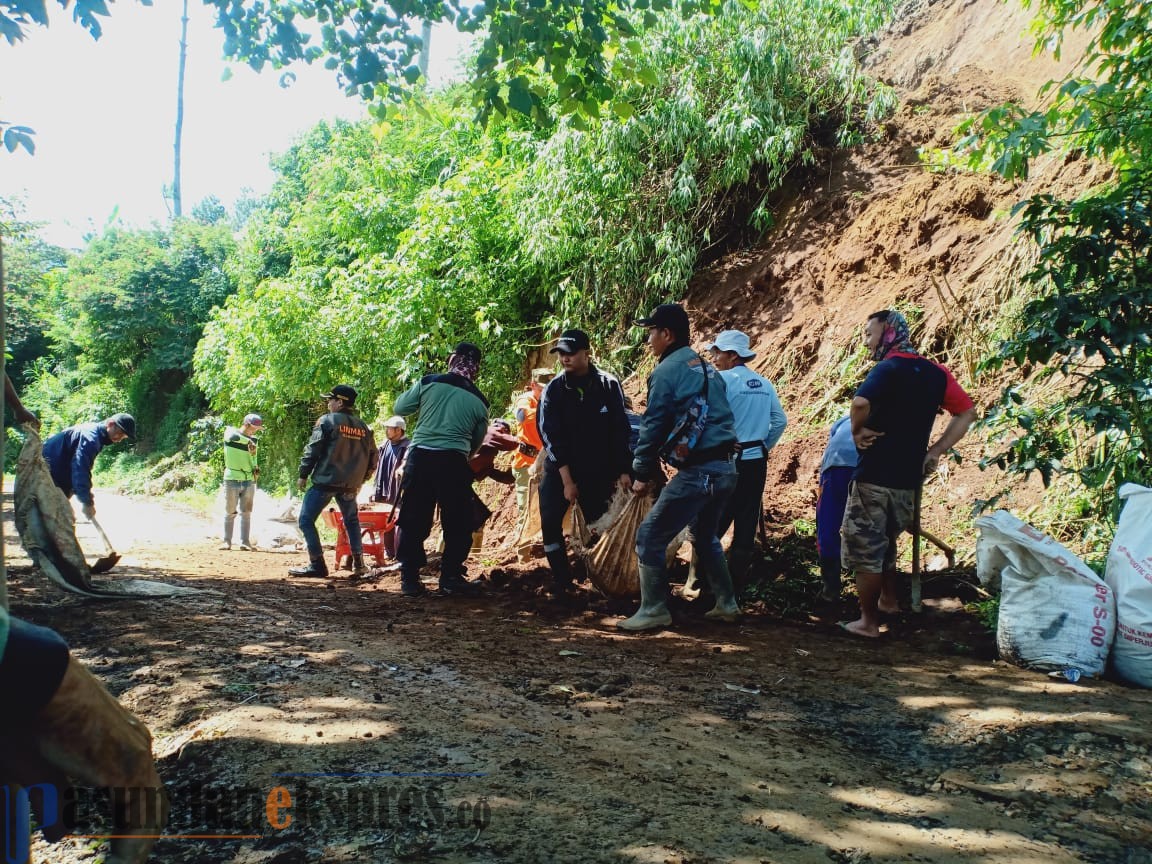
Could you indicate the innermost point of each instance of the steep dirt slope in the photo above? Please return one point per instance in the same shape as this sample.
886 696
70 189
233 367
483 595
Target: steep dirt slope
874 229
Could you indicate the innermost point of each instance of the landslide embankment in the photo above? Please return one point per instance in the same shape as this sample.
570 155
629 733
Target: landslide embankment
874 228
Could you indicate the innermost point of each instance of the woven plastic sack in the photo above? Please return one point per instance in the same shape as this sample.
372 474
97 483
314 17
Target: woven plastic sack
1129 575
612 564
1055 612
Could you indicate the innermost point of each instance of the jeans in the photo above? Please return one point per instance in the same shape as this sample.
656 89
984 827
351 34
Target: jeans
315 500
695 497
435 477
242 493
745 505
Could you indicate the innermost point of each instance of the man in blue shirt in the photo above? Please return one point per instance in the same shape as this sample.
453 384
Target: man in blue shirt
705 476
760 421
71 453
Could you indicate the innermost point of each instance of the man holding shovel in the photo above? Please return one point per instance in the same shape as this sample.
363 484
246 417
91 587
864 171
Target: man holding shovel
892 416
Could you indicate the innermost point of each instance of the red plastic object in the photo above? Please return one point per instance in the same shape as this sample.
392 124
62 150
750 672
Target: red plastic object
375 525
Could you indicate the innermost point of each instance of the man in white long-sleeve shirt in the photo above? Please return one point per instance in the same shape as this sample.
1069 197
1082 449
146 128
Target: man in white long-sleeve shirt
760 421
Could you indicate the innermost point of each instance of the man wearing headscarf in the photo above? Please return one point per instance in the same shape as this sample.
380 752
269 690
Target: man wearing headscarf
453 422
892 416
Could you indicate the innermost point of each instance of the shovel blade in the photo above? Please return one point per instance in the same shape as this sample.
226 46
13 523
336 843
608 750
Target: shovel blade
103 565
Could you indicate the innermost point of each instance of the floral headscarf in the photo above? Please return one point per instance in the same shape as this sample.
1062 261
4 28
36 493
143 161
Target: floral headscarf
896 337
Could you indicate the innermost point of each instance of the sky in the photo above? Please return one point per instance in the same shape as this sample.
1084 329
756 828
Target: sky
104 113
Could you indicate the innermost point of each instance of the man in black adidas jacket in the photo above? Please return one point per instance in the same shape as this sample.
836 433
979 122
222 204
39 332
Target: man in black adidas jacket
585 433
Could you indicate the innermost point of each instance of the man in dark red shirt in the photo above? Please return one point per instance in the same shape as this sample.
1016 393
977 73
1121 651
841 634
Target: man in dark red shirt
892 416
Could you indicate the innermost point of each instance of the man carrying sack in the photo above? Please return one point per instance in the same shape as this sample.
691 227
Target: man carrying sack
688 424
585 434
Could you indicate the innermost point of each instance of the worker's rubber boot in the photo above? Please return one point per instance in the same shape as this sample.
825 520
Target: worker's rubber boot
315 568
739 560
725 608
653 612
358 568
410 584
561 584
830 573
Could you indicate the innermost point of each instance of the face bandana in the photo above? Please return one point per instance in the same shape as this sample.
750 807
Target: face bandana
895 338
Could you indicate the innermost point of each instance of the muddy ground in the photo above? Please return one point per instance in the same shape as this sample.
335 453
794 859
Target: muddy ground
506 729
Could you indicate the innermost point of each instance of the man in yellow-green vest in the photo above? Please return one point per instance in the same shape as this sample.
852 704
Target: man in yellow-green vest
241 471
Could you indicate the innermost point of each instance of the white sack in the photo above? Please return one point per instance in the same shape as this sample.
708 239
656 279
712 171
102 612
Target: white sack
1055 612
1129 575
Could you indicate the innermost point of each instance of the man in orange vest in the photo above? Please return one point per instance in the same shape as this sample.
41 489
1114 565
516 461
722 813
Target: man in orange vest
529 437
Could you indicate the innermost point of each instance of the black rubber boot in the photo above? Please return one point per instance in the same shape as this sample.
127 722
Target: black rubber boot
411 586
561 583
315 568
830 572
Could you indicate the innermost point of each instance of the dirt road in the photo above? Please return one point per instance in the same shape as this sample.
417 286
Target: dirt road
500 729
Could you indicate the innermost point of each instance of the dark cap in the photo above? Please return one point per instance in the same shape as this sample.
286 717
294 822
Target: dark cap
670 316
341 391
467 351
126 422
571 341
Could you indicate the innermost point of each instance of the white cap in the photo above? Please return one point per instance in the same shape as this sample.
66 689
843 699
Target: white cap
396 421
733 340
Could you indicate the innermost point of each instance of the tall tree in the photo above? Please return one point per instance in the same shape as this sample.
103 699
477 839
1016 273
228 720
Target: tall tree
177 192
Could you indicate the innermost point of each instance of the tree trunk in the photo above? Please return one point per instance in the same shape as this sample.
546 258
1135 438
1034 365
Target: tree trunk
3 437
426 49
177 203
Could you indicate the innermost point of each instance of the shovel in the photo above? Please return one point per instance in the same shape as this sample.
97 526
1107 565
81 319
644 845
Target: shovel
103 565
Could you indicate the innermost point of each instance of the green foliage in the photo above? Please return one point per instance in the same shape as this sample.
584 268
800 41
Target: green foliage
621 208
1103 109
380 247
122 322
1084 336
987 612
29 266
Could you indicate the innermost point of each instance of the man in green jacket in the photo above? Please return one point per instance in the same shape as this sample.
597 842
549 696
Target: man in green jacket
241 472
453 421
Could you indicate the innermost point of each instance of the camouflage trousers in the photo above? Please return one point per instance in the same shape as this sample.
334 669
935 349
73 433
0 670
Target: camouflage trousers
874 518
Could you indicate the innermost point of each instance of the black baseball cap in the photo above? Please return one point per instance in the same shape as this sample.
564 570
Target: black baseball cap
341 391
126 422
570 342
467 351
670 316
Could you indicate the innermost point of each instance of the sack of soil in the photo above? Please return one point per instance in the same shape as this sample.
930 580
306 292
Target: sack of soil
1055 612
611 563
1129 575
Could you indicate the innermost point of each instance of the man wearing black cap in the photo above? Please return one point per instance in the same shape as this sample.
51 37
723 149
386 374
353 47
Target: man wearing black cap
689 425
340 457
453 422
585 433
71 453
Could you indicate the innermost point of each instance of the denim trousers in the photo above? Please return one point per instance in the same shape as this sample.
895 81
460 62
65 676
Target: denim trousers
694 498
242 494
315 500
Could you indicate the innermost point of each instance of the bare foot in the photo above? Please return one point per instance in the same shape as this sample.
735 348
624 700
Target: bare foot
859 628
888 608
